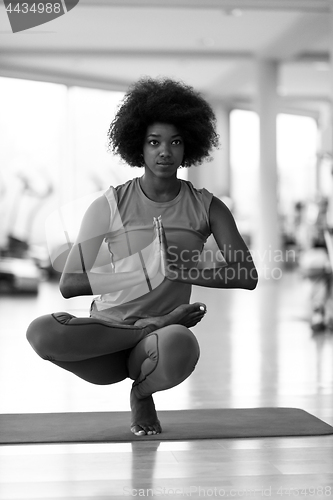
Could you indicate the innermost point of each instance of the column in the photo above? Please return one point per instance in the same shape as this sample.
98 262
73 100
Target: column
267 245
327 145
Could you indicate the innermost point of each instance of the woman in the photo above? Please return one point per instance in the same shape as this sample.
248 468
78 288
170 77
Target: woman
154 228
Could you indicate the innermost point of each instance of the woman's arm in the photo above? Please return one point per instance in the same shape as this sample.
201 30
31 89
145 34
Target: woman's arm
239 271
78 277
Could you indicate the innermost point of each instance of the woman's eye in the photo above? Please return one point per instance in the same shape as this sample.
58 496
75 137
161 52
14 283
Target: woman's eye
177 142
153 142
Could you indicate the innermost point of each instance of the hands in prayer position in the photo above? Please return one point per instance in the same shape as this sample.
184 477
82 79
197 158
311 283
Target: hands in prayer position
158 260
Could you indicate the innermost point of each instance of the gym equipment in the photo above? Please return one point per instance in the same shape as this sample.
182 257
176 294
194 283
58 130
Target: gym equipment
21 263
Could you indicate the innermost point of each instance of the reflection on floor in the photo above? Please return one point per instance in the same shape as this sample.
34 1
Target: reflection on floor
256 350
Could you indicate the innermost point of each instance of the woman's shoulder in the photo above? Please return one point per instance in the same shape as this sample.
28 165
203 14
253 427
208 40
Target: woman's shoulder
114 193
96 218
199 193
99 204
131 183
99 208
123 190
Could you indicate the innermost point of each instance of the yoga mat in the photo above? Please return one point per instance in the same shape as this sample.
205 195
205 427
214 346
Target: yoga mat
181 425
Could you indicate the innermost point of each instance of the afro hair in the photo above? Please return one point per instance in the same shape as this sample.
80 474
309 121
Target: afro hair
163 100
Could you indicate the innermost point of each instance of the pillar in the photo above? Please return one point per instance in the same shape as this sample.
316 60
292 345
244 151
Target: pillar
267 244
327 145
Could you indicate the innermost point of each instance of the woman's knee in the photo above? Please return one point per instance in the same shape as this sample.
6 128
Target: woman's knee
42 336
167 357
180 351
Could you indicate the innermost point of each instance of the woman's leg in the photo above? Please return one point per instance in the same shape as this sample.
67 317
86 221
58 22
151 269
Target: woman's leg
163 359
104 353
64 337
102 370
94 350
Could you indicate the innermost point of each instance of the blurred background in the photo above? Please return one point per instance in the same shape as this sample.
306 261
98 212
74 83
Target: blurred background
265 67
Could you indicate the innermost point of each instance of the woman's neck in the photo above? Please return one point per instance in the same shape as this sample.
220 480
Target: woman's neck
160 189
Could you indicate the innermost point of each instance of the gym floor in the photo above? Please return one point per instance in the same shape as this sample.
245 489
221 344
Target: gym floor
256 350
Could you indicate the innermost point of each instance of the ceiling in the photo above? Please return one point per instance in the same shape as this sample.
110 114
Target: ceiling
211 44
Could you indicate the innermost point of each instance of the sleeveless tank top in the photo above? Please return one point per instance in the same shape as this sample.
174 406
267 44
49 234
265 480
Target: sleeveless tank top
129 239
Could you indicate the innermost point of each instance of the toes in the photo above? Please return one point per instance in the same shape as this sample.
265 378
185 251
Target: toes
199 307
157 427
193 319
195 307
197 314
138 430
152 430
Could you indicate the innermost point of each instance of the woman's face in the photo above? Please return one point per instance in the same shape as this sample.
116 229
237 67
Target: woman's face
163 149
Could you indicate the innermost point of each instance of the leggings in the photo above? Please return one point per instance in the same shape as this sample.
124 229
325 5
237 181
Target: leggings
105 353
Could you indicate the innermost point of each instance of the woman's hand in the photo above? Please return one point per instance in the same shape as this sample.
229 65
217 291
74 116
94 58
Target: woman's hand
154 260
159 259
168 269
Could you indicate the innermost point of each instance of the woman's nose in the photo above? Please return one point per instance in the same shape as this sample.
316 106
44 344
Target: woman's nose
165 151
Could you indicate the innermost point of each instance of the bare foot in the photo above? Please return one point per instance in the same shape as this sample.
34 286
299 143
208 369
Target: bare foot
186 314
144 416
